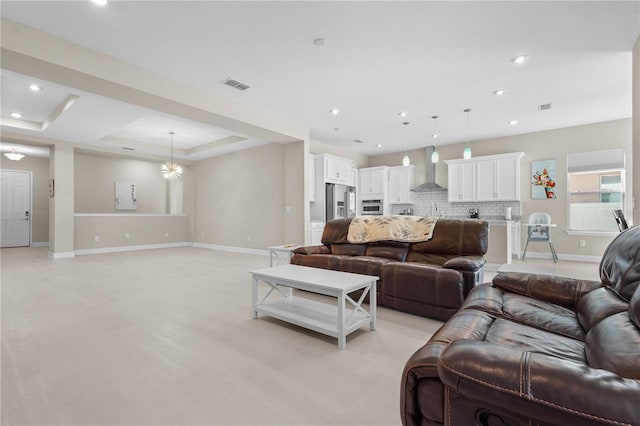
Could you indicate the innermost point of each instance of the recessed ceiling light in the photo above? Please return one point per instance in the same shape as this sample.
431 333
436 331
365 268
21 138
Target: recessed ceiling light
402 114
334 111
379 145
319 42
99 2
35 88
16 115
500 92
513 122
520 59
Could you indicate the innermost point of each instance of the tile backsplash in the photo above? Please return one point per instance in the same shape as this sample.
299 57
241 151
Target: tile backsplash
423 202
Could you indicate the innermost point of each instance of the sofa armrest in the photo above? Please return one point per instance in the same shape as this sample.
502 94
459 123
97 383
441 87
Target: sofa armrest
313 250
465 263
558 290
539 386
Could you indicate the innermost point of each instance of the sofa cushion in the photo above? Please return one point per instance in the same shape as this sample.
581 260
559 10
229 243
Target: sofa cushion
336 231
325 261
366 265
542 315
394 250
526 338
620 265
598 305
456 237
349 249
614 344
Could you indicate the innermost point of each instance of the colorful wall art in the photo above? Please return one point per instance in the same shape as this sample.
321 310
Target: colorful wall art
543 183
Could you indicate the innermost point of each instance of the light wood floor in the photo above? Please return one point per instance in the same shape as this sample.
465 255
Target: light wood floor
166 337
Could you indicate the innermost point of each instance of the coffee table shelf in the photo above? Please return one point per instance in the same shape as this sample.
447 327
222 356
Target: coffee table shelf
317 316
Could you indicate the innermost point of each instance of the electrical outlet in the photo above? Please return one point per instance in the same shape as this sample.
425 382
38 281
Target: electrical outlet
96 238
248 238
126 235
583 243
166 235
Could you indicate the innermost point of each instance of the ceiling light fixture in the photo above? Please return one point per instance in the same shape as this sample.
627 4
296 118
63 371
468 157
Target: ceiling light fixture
406 161
14 155
435 157
500 92
319 42
520 59
35 88
379 145
466 154
171 170
334 111
99 2
16 115
402 114
513 122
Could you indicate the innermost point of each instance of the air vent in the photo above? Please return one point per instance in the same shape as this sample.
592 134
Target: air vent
236 84
358 141
128 148
544 107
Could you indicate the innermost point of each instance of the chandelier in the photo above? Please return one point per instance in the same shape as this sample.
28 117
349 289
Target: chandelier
171 170
14 155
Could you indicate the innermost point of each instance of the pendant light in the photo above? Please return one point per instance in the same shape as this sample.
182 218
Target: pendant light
435 157
14 155
466 154
405 160
171 170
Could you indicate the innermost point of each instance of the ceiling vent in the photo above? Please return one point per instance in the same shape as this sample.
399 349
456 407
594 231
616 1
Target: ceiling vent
236 84
544 107
358 141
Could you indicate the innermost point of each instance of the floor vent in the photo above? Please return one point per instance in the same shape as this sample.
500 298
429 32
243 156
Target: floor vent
236 84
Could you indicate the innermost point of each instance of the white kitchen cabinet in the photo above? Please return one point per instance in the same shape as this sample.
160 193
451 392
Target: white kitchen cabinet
353 177
336 169
373 183
461 176
487 178
400 184
498 178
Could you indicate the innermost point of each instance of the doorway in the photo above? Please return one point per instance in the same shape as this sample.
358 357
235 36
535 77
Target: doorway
15 208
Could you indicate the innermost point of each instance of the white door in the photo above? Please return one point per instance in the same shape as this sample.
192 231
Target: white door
15 208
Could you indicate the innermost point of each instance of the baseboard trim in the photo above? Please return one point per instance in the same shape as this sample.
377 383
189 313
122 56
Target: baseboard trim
232 248
129 248
40 244
62 254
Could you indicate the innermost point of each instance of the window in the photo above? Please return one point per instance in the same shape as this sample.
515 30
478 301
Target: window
596 188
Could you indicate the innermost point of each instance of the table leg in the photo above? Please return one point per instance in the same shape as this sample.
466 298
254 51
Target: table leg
509 243
373 305
342 339
254 296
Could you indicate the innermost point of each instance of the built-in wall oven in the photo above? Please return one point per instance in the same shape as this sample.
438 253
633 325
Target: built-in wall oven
371 207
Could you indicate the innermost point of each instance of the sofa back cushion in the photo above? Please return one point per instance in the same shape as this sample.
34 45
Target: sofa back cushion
394 250
336 231
456 237
634 308
349 249
620 265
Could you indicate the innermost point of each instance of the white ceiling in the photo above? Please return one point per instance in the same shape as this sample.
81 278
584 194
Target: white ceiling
379 58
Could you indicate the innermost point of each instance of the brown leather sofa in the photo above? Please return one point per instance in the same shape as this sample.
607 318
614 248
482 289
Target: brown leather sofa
429 278
536 350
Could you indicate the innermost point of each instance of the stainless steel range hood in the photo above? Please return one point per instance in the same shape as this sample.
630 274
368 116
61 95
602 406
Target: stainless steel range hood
430 182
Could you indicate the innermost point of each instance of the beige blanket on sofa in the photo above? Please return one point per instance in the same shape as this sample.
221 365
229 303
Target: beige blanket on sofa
410 229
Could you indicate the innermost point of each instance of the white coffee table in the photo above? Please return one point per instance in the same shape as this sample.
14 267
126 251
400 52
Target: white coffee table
336 321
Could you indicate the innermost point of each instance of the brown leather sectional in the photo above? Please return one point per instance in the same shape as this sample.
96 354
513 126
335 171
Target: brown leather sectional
536 350
429 278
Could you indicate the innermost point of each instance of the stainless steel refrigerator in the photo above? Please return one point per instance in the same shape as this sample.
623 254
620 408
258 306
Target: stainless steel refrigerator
341 201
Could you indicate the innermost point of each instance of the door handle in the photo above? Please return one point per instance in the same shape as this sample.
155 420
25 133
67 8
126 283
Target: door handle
26 215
